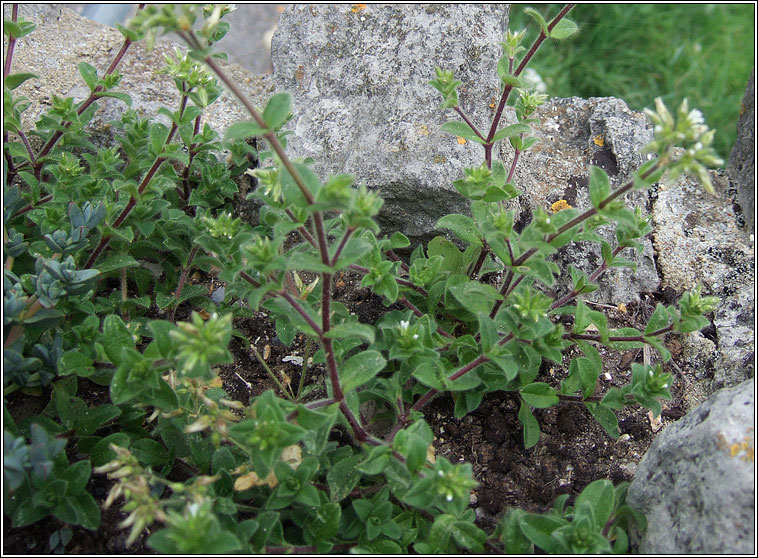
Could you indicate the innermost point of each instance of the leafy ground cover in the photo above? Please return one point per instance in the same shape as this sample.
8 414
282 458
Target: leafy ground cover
293 385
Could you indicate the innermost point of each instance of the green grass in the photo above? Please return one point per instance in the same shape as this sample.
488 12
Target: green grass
638 52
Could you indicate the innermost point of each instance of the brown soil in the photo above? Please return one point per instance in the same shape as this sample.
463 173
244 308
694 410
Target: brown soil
572 452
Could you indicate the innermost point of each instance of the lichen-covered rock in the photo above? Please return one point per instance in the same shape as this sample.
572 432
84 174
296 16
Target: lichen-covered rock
698 242
696 483
63 39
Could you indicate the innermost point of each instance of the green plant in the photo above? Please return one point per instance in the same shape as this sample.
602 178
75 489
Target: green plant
270 476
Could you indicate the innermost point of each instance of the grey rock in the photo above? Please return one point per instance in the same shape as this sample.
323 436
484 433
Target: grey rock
63 39
741 167
696 483
697 240
362 102
735 327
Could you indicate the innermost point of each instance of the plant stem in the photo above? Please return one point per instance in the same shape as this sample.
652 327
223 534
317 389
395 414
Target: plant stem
508 88
182 280
467 121
11 44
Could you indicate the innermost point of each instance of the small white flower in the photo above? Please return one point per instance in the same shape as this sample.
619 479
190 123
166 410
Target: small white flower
404 325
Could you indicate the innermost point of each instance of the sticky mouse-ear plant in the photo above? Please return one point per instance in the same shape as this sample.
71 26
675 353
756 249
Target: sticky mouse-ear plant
276 475
458 334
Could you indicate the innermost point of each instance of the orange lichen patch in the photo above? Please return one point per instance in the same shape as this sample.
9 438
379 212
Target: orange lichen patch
460 140
622 307
279 8
358 8
300 73
598 140
560 205
744 449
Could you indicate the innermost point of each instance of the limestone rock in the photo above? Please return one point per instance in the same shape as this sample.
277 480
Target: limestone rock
698 242
63 39
362 103
696 483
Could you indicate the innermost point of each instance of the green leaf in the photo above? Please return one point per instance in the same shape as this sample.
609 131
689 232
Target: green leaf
564 29
86 509
399 240
531 428
326 521
539 395
352 329
89 74
117 261
116 95
74 362
462 226
659 320
539 529
158 136
512 130
77 476
461 129
601 496
101 452
430 373
359 369
511 534
536 16
243 130
117 338
469 536
487 331
277 110
342 477
605 416
376 461
467 402
475 296
14 80
152 453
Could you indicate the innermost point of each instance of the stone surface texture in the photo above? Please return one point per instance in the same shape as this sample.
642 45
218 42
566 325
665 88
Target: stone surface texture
697 241
63 39
741 167
696 483
362 103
